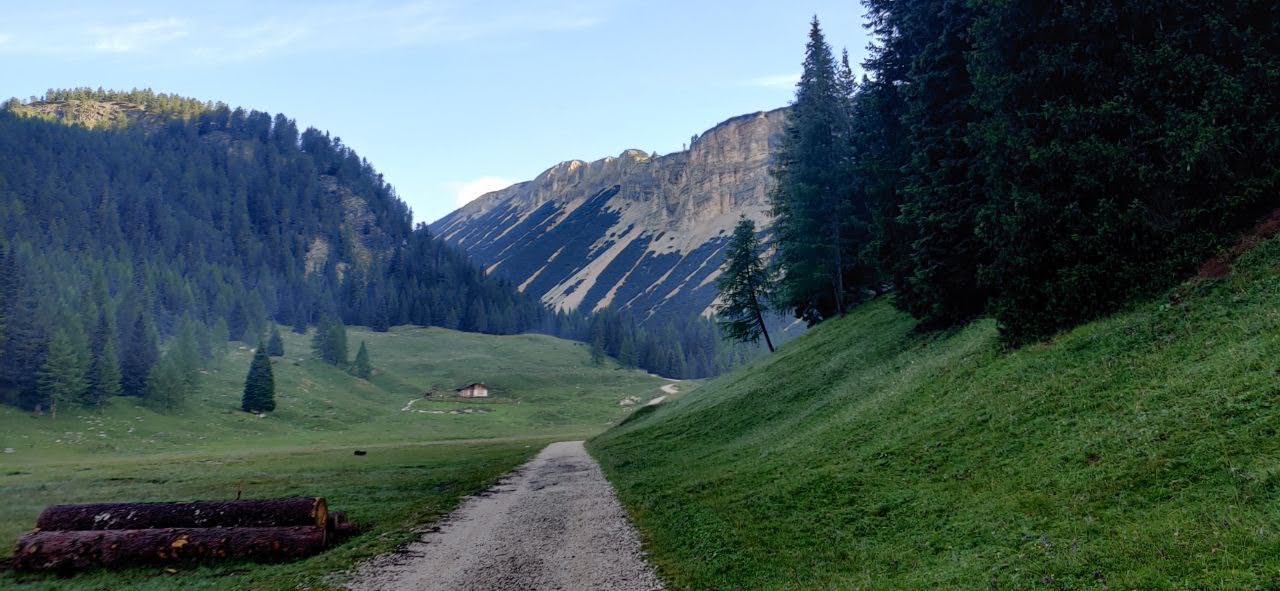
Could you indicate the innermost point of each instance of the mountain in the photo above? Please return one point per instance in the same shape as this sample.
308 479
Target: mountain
131 218
642 233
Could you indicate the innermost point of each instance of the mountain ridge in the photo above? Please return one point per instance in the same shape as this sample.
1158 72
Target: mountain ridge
640 232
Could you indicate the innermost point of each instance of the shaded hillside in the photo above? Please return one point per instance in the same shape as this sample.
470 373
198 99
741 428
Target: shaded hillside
641 233
1134 452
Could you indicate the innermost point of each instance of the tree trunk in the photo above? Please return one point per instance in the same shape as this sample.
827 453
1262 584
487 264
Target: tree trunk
755 303
72 550
251 513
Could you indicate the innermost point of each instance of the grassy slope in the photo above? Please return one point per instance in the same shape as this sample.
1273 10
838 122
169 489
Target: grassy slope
1140 451
419 463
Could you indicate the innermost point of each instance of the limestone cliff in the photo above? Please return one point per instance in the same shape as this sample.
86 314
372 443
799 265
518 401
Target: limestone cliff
640 232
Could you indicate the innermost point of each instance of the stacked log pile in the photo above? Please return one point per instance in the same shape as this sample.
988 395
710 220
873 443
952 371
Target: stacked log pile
72 537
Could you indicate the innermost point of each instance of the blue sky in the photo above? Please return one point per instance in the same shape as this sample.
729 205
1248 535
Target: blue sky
447 98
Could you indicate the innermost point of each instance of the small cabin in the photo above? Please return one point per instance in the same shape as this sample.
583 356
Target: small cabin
476 390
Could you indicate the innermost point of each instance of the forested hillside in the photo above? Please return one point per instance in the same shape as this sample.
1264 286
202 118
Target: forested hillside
132 220
1043 163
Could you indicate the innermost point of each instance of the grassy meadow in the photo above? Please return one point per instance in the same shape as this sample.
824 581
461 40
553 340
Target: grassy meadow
1136 452
424 453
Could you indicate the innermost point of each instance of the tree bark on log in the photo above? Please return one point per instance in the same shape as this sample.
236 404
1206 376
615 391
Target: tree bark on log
74 550
250 513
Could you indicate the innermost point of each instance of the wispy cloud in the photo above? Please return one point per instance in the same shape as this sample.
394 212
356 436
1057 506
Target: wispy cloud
135 36
466 192
778 81
220 35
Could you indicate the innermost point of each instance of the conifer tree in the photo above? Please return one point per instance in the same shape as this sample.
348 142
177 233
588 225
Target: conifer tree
141 352
259 386
597 342
815 213
166 384
361 368
62 379
105 375
275 346
743 284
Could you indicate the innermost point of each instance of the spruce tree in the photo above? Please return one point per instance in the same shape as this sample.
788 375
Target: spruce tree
105 375
361 368
597 342
141 352
743 284
815 213
336 344
259 386
275 346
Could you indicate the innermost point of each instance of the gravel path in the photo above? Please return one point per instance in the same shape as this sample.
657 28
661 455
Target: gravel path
553 523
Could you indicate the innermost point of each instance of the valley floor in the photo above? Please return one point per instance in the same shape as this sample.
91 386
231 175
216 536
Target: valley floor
421 459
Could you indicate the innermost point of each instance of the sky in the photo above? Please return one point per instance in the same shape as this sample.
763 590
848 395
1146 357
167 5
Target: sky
447 98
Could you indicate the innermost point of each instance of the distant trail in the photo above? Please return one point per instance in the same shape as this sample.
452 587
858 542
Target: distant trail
553 523
670 389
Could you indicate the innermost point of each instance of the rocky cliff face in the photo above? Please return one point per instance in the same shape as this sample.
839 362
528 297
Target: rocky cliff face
639 232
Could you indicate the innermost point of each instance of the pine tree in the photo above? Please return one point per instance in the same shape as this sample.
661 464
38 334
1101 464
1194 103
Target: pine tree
361 367
259 385
743 284
275 346
63 379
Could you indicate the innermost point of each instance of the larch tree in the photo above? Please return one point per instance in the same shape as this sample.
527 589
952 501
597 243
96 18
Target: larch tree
63 378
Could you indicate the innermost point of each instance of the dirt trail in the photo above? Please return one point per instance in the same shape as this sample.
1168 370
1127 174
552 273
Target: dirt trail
553 523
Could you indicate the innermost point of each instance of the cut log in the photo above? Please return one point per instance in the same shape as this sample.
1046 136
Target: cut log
340 528
75 550
251 513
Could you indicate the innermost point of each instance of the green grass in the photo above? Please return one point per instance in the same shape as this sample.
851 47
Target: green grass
1136 452
419 464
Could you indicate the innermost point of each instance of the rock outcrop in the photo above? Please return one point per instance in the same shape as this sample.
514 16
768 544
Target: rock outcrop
639 232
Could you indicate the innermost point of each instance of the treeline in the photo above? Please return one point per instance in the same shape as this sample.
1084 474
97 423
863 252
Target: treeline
1043 163
219 222
691 348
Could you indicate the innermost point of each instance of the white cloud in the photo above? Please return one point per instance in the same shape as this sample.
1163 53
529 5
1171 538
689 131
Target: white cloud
466 192
778 81
4 38
135 36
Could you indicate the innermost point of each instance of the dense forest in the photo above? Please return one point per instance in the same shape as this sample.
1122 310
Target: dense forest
1043 163
140 232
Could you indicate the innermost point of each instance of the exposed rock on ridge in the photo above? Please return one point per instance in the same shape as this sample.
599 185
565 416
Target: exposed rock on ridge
639 232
